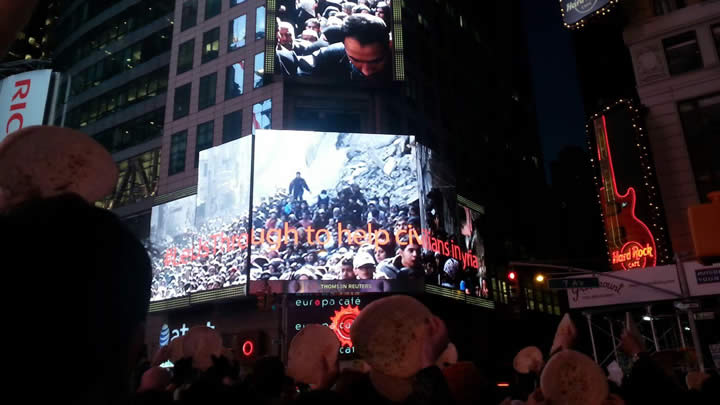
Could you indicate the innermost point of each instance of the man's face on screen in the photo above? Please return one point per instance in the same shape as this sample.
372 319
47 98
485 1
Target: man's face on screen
285 37
368 59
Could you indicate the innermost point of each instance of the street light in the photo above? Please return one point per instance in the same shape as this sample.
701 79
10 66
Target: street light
539 278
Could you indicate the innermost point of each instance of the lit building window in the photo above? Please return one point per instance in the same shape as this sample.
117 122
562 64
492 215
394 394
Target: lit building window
211 45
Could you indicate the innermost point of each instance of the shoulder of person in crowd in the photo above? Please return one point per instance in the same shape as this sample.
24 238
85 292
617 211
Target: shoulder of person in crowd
324 61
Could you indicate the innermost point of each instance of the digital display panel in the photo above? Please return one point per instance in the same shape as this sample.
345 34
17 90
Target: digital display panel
336 212
335 39
195 242
453 248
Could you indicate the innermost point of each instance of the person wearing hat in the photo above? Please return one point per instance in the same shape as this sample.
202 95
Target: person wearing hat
364 266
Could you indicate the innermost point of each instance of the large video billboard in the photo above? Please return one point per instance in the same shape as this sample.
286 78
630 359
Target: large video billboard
331 212
335 39
336 212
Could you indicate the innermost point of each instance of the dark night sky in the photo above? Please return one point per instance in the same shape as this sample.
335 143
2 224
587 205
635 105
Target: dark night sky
558 101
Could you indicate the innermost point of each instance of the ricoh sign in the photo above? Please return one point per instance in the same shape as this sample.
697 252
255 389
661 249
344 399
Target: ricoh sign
22 100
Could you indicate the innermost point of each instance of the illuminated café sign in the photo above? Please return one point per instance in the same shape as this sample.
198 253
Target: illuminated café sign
575 11
630 241
337 313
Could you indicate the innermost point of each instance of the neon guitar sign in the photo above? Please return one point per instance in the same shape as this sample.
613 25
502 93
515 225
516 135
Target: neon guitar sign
631 243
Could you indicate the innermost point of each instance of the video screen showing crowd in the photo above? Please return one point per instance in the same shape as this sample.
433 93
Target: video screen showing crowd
338 206
453 248
331 212
335 39
190 238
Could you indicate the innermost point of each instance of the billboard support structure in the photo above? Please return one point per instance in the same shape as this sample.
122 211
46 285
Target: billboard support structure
251 234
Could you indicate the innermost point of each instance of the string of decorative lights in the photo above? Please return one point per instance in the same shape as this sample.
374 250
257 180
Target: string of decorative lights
656 220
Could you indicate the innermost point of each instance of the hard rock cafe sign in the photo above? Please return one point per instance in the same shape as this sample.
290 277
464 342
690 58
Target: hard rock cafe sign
576 10
631 244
